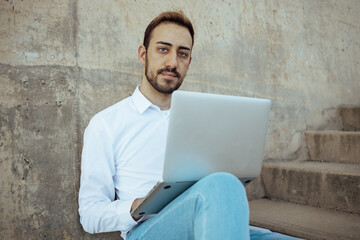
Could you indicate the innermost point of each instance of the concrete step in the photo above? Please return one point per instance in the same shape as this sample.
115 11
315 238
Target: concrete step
333 146
349 118
327 185
304 221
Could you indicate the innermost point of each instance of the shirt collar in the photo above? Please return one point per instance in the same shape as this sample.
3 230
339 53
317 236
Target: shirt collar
140 101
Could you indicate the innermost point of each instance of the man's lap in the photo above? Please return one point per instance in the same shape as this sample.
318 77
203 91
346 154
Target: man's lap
176 221
188 216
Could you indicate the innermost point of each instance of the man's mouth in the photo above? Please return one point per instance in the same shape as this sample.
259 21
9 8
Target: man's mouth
172 74
169 75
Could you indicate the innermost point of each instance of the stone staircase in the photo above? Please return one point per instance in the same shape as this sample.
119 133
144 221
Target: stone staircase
318 198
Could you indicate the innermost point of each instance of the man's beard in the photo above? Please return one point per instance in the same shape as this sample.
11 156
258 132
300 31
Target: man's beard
155 84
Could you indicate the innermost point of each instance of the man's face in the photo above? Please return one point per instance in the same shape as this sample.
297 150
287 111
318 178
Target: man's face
168 57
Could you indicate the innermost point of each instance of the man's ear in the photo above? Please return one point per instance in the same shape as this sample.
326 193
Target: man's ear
142 54
189 64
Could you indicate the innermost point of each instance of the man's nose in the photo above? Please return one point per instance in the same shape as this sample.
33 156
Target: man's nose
171 60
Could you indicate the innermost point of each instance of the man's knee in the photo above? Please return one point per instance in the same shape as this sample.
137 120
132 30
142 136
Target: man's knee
223 183
223 178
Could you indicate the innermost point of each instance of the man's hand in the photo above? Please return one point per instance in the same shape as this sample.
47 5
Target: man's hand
134 205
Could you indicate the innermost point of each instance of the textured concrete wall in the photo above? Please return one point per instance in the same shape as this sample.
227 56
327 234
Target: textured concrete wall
62 61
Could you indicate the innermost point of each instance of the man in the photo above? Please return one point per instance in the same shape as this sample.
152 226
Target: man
124 148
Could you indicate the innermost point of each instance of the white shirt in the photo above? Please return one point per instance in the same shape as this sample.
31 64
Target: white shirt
123 154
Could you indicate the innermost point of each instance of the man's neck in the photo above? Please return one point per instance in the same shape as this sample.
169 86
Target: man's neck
159 99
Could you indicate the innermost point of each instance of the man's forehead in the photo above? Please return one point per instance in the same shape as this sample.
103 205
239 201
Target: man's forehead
171 33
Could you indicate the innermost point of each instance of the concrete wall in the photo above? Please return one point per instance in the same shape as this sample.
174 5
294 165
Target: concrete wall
61 61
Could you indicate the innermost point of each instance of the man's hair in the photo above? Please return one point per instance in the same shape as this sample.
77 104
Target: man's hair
177 17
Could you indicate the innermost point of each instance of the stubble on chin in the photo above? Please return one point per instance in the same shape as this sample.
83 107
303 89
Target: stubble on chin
155 81
166 88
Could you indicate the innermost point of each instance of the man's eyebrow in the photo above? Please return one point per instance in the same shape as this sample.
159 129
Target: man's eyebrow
169 44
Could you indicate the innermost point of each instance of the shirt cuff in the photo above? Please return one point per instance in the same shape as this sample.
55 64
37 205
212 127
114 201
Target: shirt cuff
130 222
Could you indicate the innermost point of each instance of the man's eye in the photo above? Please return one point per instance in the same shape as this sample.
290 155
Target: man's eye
183 54
162 49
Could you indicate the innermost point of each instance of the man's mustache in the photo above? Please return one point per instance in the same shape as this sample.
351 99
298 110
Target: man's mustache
169 70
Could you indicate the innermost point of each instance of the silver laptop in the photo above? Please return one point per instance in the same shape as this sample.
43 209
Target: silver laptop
209 133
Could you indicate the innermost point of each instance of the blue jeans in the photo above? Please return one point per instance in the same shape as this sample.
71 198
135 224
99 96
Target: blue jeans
215 207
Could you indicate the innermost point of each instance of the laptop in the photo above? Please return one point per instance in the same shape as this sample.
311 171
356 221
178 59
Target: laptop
209 133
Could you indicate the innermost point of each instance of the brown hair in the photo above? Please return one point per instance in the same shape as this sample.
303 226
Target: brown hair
173 17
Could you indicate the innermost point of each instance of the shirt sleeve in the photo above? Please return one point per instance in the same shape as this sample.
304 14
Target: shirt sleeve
98 210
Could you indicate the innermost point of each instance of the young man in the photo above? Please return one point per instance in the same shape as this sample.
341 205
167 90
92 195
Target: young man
124 148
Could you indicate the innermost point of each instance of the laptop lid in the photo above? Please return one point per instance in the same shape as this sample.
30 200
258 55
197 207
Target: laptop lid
215 133
209 133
